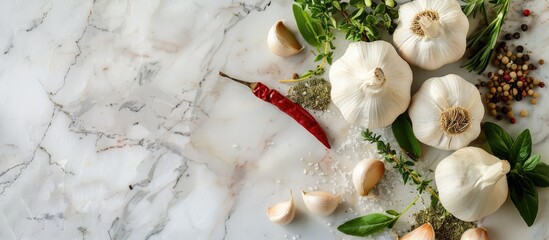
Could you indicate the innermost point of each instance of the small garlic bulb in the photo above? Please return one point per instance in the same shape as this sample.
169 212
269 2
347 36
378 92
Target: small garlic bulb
371 84
472 183
431 33
321 203
446 112
283 212
475 234
281 41
367 174
423 232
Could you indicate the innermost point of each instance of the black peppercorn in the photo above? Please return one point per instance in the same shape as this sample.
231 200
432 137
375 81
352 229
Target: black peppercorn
525 57
520 48
532 67
504 109
518 97
508 36
502 44
524 27
519 61
516 35
499 117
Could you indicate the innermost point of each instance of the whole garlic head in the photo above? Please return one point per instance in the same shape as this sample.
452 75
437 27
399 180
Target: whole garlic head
371 84
446 112
472 183
431 33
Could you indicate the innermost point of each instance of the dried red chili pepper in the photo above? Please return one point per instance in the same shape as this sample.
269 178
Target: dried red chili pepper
293 110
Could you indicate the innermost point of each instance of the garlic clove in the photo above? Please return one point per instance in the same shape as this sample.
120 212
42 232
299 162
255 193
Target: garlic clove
367 174
281 41
320 203
475 234
283 212
423 232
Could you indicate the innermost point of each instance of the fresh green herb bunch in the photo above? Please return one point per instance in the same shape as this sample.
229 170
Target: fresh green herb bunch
483 42
527 171
318 20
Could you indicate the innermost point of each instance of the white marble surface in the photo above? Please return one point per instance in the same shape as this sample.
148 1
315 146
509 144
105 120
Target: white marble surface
115 125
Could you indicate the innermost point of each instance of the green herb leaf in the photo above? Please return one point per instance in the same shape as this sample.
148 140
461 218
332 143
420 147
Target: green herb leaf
499 140
308 28
532 162
392 212
522 148
524 196
539 175
366 224
402 129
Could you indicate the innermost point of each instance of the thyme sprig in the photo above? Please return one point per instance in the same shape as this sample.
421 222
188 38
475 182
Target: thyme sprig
483 42
318 20
403 166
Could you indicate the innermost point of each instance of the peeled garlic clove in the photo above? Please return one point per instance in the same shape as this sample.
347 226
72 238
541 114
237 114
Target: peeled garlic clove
475 234
321 203
282 42
423 232
472 183
283 212
367 174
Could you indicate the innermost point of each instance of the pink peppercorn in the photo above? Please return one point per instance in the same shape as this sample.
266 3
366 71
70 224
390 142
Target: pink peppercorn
526 12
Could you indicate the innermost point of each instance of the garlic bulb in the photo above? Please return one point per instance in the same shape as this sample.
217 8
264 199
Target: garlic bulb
472 183
423 232
283 212
446 112
431 33
475 234
281 41
371 84
366 174
321 203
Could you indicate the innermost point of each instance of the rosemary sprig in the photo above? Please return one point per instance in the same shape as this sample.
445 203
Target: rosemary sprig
403 166
318 20
483 42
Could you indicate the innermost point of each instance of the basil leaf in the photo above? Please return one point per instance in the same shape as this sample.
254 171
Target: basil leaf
531 163
392 212
539 175
366 225
524 196
308 28
402 129
499 140
522 148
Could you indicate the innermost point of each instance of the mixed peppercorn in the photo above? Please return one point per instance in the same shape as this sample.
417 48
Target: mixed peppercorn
512 81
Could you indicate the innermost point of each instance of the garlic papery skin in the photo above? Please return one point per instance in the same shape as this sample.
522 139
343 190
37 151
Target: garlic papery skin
472 183
431 33
423 232
446 112
367 174
283 212
475 234
371 84
320 203
281 41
